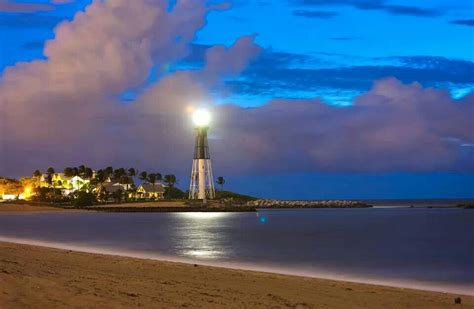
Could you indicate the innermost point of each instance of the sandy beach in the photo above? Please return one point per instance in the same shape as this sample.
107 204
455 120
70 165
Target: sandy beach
6 207
39 277
155 206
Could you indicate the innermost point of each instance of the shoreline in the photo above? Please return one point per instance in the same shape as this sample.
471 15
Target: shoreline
159 206
251 267
35 276
169 207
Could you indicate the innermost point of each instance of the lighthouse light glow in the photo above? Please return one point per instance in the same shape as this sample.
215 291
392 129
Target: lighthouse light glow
201 118
201 186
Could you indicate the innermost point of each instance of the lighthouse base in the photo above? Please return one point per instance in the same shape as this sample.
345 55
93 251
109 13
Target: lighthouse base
202 184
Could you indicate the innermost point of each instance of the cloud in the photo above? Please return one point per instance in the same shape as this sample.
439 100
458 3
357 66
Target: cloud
283 74
23 7
378 5
268 75
222 61
266 58
64 110
392 127
62 1
464 22
315 14
92 58
69 100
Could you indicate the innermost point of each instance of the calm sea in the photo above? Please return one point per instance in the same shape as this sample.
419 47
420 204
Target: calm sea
422 248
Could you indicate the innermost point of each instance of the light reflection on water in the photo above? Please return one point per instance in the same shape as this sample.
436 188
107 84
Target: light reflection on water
426 245
203 215
197 237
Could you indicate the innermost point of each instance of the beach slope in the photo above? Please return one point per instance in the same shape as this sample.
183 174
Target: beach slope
38 277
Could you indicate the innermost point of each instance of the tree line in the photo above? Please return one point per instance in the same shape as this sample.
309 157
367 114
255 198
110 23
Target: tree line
124 176
88 193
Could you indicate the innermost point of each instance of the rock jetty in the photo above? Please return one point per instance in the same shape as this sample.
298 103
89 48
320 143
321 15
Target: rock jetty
307 204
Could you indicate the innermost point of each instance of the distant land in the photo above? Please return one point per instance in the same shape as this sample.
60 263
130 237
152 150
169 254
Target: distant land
419 202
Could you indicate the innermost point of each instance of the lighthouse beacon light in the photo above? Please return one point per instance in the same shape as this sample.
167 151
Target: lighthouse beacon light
201 118
201 185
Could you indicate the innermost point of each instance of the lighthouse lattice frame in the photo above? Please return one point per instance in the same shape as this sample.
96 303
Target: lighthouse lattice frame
201 186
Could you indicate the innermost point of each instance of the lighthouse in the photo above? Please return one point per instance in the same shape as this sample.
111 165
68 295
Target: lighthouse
201 186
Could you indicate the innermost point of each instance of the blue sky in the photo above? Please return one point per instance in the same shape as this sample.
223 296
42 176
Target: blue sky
333 50
364 44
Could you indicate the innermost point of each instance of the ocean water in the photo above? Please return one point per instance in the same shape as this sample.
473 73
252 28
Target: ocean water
423 248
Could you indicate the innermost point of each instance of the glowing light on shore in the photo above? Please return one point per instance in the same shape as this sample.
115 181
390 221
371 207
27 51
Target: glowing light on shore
27 192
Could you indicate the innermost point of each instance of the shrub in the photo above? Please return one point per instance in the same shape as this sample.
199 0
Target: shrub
234 196
174 193
84 199
50 195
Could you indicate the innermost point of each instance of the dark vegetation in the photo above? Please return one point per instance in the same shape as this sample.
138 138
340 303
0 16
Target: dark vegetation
95 192
235 196
84 199
173 193
467 205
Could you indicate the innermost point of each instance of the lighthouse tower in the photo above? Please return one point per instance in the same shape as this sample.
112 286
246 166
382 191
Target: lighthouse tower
202 183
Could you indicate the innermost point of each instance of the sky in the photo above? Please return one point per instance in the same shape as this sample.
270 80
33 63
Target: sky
311 99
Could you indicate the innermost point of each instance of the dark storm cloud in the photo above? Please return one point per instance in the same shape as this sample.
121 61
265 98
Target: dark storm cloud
315 14
379 5
464 22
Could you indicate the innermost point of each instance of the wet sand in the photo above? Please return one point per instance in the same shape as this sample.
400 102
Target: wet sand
39 277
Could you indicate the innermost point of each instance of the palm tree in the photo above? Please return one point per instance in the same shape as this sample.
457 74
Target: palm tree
132 172
152 179
88 173
37 176
81 169
124 180
108 171
131 181
143 176
221 181
49 179
170 180
158 177
68 172
100 177
50 171
118 173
